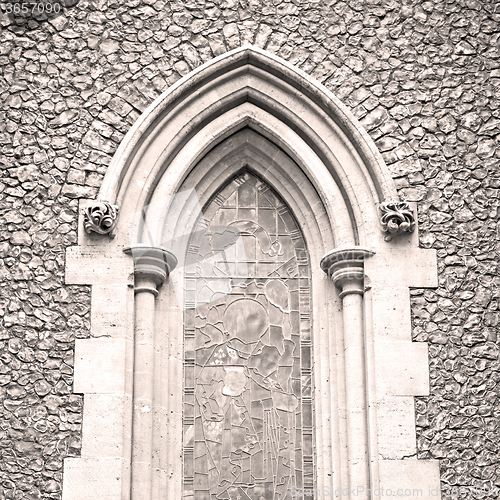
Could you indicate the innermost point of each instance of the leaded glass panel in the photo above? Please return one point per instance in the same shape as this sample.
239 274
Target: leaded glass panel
248 412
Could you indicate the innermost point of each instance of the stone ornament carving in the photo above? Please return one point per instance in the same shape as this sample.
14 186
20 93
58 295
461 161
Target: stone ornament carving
100 217
396 217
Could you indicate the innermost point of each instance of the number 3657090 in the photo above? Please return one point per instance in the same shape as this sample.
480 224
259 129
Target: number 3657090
33 9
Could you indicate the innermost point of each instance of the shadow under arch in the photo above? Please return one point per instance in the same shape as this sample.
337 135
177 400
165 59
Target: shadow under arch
172 218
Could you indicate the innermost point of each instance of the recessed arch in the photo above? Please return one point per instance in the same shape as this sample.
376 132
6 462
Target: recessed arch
248 109
176 217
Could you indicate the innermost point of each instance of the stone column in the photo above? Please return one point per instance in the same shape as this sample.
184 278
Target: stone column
152 266
346 268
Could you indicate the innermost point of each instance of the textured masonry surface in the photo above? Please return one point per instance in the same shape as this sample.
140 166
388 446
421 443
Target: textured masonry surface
422 77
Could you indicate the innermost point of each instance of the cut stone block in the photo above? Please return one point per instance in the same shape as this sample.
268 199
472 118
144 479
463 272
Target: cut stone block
100 365
411 479
401 369
94 479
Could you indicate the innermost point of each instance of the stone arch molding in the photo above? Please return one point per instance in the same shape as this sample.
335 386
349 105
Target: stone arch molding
248 109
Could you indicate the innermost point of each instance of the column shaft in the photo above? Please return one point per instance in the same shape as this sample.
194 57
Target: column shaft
152 265
346 268
357 432
142 424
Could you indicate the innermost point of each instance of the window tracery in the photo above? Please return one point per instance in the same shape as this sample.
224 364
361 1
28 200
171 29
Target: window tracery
248 411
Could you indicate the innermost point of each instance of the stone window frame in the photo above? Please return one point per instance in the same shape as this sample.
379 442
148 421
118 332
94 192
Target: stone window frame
264 114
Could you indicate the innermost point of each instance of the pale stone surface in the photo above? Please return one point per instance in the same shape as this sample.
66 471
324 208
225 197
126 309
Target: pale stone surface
109 312
396 427
98 265
105 425
94 478
417 268
418 478
392 306
401 369
101 365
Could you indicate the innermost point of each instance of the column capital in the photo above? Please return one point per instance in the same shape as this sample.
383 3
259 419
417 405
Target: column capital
346 268
151 264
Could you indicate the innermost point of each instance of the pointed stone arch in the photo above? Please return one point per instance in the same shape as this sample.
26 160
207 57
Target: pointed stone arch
249 87
248 109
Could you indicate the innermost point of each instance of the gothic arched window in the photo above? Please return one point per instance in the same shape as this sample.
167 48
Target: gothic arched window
248 140
248 423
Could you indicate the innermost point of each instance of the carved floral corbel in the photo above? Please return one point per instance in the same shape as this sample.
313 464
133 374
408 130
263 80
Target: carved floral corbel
100 217
396 217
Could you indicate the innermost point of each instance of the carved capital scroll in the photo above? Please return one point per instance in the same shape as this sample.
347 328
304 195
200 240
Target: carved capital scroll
396 217
100 217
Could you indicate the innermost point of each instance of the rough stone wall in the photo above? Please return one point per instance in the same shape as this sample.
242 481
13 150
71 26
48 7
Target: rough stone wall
422 77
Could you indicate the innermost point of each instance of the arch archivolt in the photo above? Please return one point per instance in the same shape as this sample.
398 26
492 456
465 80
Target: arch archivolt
248 150
248 110
239 90
245 148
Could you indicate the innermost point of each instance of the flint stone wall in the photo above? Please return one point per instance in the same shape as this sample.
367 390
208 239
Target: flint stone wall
423 78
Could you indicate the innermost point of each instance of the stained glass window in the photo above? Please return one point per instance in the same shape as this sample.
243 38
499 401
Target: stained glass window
248 411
